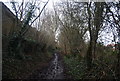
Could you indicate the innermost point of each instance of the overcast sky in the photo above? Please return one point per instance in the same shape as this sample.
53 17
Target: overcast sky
50 6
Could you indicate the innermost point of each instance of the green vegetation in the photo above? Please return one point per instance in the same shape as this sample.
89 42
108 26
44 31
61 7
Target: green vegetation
102 68
15 67
77 30
25 49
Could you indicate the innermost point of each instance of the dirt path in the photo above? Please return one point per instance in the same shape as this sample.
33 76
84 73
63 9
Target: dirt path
53 71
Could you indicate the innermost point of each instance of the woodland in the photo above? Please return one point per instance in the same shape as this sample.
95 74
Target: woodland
86 35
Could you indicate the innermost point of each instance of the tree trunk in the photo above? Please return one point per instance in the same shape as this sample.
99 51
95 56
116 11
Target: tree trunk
90 48
89 55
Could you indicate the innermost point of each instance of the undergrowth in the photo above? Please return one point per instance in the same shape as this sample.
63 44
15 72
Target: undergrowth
102 67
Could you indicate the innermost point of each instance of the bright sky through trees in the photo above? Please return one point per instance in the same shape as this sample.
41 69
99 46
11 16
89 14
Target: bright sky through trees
106 38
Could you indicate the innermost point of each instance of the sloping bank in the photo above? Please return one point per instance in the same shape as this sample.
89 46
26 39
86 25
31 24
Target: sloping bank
15 67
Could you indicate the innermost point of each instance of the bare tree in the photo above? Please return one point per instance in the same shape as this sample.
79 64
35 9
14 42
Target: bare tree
95 21
115 24
25 13
73 25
